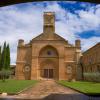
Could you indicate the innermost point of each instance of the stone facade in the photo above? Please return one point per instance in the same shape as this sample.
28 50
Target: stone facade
91 59
48 56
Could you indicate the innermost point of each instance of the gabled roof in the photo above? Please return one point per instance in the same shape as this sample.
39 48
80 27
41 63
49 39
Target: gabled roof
49 36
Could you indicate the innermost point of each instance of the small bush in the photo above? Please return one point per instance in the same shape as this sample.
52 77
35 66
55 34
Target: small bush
95 77
4 74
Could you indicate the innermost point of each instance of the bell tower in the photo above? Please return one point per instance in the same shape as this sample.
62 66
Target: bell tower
49 22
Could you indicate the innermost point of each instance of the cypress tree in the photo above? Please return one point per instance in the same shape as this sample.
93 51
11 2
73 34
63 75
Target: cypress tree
5 61
0 59
3 58
7 57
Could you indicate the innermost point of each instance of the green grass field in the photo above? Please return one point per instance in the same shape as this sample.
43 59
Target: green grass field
15 86
85 87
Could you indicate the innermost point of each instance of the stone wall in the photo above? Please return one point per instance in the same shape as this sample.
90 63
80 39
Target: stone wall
91 62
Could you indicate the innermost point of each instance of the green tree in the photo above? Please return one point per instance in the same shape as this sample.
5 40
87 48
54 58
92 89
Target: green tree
7 57
3 58
5 62
0 59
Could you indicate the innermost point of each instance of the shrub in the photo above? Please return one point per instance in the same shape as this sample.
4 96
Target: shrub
4 74
95 76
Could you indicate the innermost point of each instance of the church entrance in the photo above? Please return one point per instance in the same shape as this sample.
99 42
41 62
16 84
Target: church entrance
48 73
48 63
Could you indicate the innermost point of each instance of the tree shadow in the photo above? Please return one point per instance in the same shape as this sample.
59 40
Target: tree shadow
70 97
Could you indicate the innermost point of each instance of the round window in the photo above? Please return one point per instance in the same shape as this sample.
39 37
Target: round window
69 69
26 68
49 52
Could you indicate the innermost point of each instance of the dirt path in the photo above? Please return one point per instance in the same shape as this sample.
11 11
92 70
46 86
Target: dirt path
45 88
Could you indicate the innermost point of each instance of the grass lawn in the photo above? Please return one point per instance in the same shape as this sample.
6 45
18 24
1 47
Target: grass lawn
85 87
14 86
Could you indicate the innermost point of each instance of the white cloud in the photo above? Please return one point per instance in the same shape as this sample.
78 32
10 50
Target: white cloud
88 43
90 20
27 22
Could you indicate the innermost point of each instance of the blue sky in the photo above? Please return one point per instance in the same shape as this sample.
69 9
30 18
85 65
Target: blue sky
74 20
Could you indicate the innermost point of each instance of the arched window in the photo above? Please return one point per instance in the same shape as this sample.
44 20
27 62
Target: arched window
48 51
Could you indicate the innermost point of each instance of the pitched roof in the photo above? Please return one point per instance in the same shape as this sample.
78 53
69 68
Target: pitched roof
49 36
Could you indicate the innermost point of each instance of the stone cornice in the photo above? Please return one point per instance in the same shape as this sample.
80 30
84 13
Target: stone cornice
20 62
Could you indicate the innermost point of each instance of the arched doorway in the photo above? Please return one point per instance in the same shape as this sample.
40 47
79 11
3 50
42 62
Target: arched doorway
49 63
47 69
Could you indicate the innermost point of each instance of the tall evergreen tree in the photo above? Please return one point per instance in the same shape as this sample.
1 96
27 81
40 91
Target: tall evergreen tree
0 59
5 61
7 57
3 58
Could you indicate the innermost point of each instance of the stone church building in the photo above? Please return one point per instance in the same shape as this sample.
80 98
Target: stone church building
48 56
